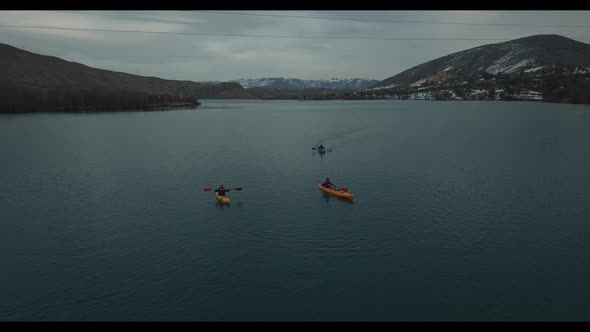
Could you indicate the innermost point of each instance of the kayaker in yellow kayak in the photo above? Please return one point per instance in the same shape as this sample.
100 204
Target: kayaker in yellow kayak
328 184
221 190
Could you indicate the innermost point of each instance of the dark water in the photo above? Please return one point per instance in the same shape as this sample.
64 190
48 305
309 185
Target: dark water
463 211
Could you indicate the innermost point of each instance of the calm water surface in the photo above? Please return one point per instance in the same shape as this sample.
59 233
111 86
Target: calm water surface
463 211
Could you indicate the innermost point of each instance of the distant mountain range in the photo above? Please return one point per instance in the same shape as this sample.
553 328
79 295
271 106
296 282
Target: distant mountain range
295 84
31 82
539 67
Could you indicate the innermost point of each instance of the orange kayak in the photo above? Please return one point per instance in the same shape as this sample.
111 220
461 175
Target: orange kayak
336 192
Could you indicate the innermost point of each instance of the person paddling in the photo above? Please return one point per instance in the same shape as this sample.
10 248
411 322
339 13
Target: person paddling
221 190
328 184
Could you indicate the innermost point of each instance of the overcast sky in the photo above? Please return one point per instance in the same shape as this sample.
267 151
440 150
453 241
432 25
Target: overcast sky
224 58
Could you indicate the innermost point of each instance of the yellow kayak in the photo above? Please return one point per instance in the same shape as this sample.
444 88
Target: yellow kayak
222 199
336 192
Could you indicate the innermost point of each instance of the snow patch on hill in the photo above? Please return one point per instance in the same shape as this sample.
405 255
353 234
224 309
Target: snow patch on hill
299 84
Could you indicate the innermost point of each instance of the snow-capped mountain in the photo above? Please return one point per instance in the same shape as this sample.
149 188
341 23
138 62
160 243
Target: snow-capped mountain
540 67
536 54
295 84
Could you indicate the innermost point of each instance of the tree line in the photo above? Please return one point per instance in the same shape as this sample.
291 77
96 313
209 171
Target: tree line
17 99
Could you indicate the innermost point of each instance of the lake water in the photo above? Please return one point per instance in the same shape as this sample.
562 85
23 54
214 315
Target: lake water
462 211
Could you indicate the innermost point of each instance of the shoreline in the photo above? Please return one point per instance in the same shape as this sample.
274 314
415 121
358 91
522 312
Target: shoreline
158 108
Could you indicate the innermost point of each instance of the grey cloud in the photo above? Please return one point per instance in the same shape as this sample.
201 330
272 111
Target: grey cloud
208 58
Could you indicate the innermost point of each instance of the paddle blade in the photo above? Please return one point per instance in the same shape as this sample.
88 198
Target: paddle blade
207 189
240 188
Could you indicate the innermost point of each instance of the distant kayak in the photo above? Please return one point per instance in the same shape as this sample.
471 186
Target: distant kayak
222 199
335 192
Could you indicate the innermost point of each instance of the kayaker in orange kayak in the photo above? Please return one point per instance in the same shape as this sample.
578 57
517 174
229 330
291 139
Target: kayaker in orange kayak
330 189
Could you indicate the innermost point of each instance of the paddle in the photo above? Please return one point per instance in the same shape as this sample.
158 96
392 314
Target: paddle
209 189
